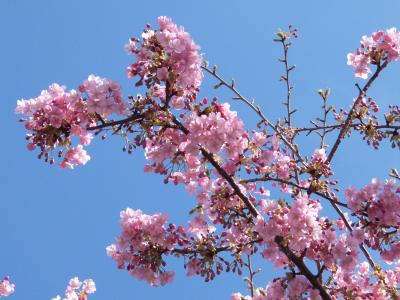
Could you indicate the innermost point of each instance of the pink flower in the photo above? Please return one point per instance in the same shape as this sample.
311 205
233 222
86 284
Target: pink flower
162 73
104 96
57 115
169 50
259 139
236 296
319 155
166 277
89 286
75 156
77 290
144 236
380 46
6 288
74 283
360 63
297 286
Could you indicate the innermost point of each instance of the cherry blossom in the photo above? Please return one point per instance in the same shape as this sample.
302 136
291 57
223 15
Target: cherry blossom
169 58
381 46
143 240
6 287
77 290
103 96
56 116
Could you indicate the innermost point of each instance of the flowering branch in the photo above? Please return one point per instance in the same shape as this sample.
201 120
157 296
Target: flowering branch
205 146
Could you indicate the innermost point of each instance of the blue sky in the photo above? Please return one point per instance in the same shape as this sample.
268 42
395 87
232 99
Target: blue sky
56 223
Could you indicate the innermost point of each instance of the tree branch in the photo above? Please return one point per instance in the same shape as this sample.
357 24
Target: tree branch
302 268
347 123
266 179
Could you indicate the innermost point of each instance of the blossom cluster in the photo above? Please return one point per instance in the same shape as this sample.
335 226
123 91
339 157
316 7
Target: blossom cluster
296 287
143 241
167 60
360 285
306 233
218 130
344 285
377 206
77 290
269 157
381 46
6 287
57 115
103 96
320 165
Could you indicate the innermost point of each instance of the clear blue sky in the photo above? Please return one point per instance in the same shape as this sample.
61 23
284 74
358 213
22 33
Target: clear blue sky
56 223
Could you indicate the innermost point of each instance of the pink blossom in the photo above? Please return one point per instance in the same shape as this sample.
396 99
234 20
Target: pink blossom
146 236
360 63
381 45
57 115
320 164
77 290
166 277
75 156
259 139
221 130
89 286
103 96
297 286
6 287
168 53
193 267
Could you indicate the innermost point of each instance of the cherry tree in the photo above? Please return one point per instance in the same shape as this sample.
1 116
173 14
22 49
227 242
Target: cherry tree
202 144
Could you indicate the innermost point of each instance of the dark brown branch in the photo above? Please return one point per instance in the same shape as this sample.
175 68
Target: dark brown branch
302 268
210 157
222 172
347 123
134 117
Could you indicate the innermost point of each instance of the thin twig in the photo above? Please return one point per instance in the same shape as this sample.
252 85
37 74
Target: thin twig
339 126
266 178
251 274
